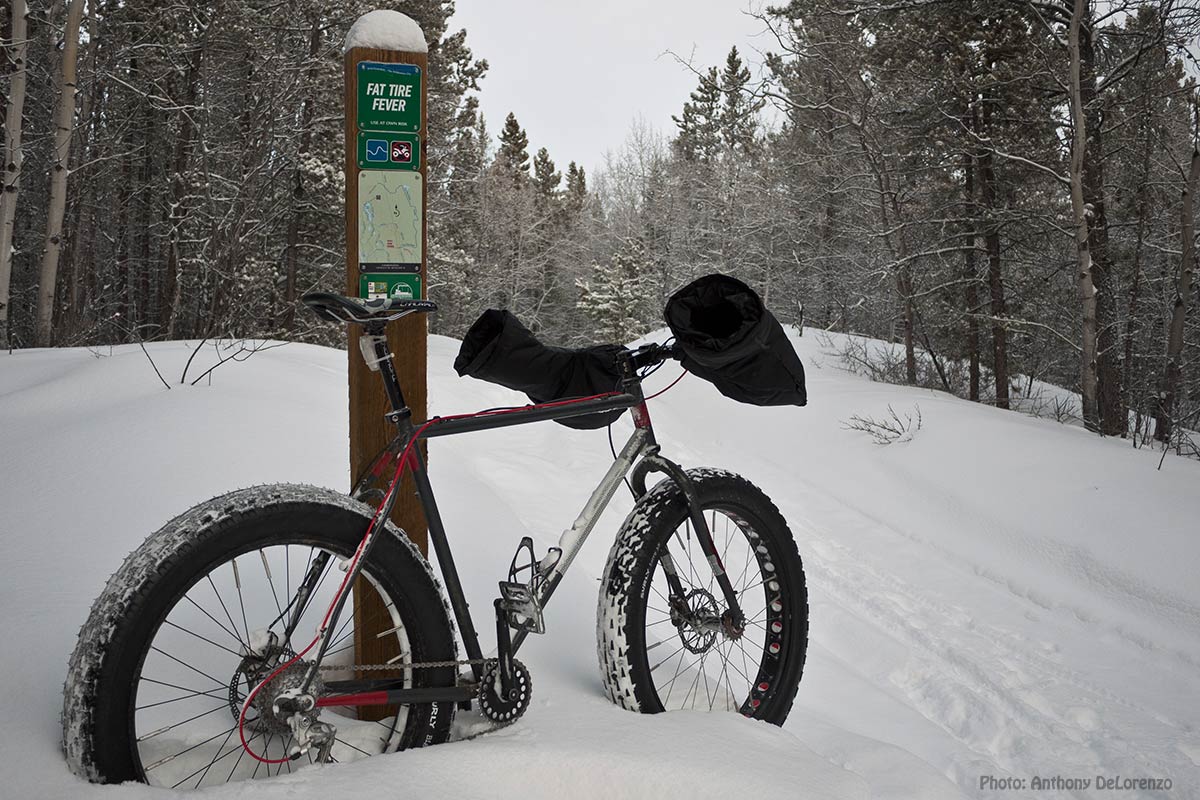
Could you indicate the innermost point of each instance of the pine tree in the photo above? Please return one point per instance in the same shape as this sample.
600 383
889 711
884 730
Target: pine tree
614 298
545 178
576 188
514 148
736 118
699 123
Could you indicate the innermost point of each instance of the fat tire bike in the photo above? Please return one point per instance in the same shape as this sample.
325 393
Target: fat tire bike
194 667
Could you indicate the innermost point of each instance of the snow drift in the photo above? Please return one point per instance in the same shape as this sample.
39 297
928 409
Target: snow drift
998 596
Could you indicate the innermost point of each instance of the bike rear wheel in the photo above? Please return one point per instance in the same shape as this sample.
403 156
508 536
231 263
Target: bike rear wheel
653 657
176 641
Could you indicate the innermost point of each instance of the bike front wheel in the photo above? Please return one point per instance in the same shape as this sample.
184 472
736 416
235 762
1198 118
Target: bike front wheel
196 616
659 655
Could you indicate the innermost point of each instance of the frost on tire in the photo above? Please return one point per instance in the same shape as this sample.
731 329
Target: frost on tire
621 612
119 616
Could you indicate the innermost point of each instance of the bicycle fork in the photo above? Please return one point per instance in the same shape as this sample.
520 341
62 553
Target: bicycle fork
732 621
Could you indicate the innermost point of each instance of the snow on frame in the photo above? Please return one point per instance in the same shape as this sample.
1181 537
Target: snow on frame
386 30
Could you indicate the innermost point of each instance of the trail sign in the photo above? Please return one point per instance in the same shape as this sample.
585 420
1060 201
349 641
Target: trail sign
374 286
385 97
389 97
389 150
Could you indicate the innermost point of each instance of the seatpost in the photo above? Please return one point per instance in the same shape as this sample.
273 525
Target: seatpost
375 352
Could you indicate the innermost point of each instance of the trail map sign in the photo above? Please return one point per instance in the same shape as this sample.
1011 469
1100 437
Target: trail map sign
389 221
389 97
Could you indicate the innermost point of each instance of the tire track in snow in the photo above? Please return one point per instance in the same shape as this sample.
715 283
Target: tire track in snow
998 693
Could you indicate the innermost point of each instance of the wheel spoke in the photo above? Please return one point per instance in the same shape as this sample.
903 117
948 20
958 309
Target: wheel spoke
215 759
728 663
680 670
237 581
671 683
706 695
162 761
172 726
695 687
219 624
190 693
189 666
725 673
262 554
742 578
352 747
202 638
208 766
752 586
665 660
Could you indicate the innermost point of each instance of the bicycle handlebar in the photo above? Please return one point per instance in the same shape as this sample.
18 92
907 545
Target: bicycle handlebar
651 355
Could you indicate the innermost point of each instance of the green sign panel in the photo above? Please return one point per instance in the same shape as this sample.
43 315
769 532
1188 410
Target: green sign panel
388 151
375 285
389 97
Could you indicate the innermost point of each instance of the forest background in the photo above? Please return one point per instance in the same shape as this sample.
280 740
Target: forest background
1003 189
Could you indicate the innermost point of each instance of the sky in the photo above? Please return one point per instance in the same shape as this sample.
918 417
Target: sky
577 74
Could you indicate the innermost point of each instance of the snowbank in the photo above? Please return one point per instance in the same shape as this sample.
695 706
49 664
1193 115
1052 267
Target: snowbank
998 596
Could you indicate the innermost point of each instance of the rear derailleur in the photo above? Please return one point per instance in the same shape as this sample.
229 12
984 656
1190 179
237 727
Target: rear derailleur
283 706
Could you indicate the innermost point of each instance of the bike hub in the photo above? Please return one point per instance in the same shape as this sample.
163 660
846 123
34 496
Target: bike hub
270 716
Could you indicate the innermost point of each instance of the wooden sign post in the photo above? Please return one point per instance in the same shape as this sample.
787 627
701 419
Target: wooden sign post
385 79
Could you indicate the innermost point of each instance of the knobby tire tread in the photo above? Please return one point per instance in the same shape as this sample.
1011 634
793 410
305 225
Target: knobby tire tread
631 562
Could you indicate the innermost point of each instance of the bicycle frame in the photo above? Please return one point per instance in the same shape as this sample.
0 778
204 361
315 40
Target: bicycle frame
639 455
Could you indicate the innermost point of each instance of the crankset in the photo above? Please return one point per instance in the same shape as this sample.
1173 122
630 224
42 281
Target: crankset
500 706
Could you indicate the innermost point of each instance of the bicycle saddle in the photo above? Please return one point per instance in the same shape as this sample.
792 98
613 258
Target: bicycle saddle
336 308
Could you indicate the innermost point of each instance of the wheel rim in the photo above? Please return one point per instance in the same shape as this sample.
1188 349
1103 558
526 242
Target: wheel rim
705 669
190 686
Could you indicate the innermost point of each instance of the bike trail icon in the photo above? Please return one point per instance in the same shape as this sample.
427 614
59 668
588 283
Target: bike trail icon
389 151
377 150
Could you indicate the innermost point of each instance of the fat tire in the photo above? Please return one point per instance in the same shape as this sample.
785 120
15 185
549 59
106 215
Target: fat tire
97 719
620 618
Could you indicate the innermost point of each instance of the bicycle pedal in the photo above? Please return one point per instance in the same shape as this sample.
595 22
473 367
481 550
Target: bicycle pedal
521 607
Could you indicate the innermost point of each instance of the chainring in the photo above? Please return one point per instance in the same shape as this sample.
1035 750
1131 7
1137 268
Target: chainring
498 709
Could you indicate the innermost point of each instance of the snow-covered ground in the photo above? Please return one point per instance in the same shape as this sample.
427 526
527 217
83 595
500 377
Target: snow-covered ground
998 596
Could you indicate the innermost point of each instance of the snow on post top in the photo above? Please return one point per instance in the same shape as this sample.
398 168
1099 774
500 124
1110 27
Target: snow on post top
386 30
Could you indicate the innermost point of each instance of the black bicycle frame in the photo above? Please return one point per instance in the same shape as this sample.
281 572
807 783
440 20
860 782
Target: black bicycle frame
641 450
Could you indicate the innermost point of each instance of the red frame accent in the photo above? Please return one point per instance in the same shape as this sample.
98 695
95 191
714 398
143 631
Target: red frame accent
641 415
359 699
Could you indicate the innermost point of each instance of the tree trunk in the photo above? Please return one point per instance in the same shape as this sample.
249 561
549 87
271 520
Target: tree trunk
1088 382
63 120
83 265
1183 290
171 285
13 156
905 285
972 287
1113 418
1131 316
991 241
293 230
81 147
